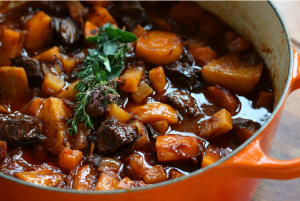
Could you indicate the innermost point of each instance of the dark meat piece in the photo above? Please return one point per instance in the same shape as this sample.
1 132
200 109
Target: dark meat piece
184 103
244 128
113 135
65 31
20 128
130 14
32 68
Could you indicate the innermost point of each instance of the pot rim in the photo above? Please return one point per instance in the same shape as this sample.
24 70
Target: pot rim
274 113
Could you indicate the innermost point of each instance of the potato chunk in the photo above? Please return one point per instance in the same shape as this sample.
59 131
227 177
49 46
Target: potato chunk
52 84
115 111
159 48
158 79
11 45
35 107
209 158
68 63
13 83
160 126
215 126
231 73
39 31
43 177
131 79
100 16
153 112
137 167
240 44
55 115
155 174
108 181
80 139
173 174
144 90
69 92
90 30
172 148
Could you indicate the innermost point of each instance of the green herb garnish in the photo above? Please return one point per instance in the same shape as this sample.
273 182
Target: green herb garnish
99 75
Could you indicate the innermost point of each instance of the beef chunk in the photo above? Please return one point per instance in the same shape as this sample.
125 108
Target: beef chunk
113 135
183 102
32 68
65 31
130 14
20 128
244 128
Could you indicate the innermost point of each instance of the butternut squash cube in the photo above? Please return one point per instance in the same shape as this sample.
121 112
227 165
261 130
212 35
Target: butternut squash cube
35 107
100 16
158 79
90 30
171 148
55 114
209 158
52 84
13 83
68 63
160 126
107 181
68 159
144 90
131 79
115 111
39 31
49 55
173 174
231 73
265 99
69 92
215 126
11 45
154 175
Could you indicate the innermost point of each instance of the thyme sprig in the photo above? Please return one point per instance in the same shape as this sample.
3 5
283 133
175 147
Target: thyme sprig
99 74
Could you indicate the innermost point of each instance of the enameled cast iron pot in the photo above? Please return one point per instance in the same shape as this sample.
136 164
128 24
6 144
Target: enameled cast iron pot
236 176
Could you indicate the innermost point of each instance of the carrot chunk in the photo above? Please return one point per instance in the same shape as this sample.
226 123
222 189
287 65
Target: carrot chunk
158 79
68 159
100 16
131 79
156 112
139 31
39 31
176 148
202 55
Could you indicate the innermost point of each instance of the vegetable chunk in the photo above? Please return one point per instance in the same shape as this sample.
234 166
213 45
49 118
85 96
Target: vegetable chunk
209 158
203 55
186 10
155 174
115 111
35 107
52 84
265 99
100 16
55 115
39 31
158 79
131 79
159 48
231 73
171 148
144 90
83 178
69 92
215 126
49 55
68 159
152 112
107 181
90 30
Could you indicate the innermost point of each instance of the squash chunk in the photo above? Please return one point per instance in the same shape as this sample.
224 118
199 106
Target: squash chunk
155 174
55 115
171 148
68 159
3 150
153 112
39 31
52 84
215 126
160 126
158 79
144 90
68 63
69 92
115 111
43 177
143 143
139 31
231 73
131 79
35 107
83 178
173 174
186 10
265 99
209 158
126 183
107 181
13 83
90 30
12 44
203 55
222 98
159 47
100 16
49 55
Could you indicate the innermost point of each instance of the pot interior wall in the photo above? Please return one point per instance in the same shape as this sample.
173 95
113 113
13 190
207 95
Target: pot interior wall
258 22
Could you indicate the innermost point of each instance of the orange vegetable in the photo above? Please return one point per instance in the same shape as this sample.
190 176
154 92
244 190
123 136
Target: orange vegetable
158 79
84 179
11 45
160 126
195 43
163 24
131 79
100 16
156 112
209 158
139 31
143 143
100 3
4 109
265 99
202 55
222 98
69 159
13 83
35 107
107 181
68 63
240 44
155 174
175 174
90 30
109 164
209 26
115 111
137 165
80 139
215 126
49 55
159 47
231 73
172 148
186 11
52 84
229 37
126 183
139 125
39 31
144 90
69 92
3 150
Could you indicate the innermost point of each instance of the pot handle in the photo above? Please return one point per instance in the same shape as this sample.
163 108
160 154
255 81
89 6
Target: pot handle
253 162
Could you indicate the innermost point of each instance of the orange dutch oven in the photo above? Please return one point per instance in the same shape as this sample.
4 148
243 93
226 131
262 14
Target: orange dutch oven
236 176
